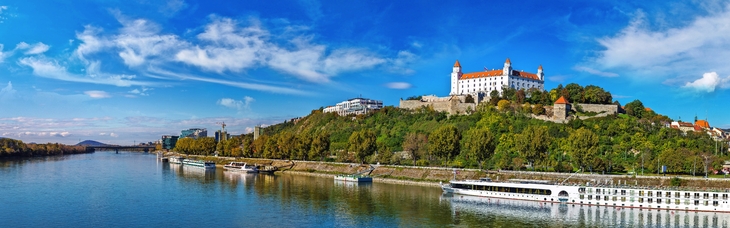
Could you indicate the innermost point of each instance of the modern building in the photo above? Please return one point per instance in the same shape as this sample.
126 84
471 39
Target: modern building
194 133
355 106
484 82
221 136
169 141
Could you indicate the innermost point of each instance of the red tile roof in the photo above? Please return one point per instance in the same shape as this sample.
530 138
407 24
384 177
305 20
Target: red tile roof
457 64
561 100
508 61
482 74
540 67
698 128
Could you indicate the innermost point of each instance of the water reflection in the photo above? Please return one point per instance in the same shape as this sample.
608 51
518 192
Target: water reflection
556 214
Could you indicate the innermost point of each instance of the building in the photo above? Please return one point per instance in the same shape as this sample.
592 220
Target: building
194 133
355 106
484 82
221 136
168 141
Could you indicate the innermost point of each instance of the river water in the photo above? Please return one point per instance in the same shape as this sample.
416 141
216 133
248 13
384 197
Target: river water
129 189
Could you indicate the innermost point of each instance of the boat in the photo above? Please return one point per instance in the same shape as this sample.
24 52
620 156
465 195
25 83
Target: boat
241 167
354 178
199 163
176 160
611 196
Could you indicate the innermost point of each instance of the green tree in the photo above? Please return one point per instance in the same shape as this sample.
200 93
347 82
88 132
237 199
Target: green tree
520 96
533 143
480 144
320 145
503 105
286 142
582 146
303 146
635 108
363 144
444 142
538 109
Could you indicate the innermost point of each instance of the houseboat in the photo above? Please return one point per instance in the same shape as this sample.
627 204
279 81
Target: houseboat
241 167
199 163
611 196
176 160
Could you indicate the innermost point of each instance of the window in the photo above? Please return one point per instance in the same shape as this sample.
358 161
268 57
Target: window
641 200
641 193
623 192
669 195
697 202
714 196
714 203
706 195
697 195
686 195
590 197
648 193
724 196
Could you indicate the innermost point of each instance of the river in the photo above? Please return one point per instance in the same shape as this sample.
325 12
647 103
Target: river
133 189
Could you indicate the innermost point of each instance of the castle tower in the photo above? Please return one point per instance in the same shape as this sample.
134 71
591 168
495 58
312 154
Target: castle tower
507 70
540 74
455 75
561 109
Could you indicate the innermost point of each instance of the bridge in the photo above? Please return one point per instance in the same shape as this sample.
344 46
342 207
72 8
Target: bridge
118 148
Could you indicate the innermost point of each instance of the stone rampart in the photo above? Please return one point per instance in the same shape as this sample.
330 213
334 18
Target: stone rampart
452 107
598 108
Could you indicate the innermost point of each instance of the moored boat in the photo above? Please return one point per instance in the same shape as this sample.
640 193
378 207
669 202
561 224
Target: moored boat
199 163
611 196
176 160
241 167
354 178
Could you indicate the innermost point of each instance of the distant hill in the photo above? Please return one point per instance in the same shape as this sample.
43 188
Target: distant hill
91 143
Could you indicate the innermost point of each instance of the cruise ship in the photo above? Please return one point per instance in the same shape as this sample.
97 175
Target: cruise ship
611 196
199 163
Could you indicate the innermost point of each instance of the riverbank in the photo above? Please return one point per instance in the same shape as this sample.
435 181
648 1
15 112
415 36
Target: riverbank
432 176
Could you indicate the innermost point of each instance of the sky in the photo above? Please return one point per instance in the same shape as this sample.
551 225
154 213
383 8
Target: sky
124 72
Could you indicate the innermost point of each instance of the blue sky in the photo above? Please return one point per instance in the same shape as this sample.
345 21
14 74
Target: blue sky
126 71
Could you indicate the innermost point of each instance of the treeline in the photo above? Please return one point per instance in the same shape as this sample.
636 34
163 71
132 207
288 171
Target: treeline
16 148
502 137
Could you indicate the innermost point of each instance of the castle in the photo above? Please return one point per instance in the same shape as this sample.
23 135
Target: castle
480 84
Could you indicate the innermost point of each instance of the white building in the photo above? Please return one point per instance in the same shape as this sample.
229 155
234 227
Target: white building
355 106
485 81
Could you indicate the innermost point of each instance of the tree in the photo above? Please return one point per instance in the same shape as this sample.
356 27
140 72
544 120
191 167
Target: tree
538 110
582 146
286 142
363 144
444 142
635 108
480 144
469 99
503 105
320 145
520 96
414 144
533 143
303 145
575 92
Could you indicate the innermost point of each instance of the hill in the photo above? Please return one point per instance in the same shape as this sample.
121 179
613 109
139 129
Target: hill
90 143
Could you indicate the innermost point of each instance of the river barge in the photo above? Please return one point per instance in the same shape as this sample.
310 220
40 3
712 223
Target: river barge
611 196
199 163
354 178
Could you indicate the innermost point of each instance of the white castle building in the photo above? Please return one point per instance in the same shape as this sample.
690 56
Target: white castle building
485 81
355 106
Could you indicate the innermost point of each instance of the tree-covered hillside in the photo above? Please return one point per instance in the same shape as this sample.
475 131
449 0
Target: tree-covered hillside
16 148
492 137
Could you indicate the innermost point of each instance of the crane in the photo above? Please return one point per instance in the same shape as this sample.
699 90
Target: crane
223 134
223 125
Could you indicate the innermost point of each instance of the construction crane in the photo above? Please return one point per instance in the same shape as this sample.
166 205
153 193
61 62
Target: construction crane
223 125
222 135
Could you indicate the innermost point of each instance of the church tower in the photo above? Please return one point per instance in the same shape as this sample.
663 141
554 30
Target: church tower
455 75
507 70
540 74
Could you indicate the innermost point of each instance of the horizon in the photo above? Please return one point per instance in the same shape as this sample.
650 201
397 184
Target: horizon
124 72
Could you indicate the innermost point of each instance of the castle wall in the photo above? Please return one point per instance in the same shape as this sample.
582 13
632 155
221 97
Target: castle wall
452 107
598 108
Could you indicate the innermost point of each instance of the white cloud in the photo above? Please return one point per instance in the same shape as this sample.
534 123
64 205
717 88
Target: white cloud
171 7
113 134
670 51
34 49
709 83
595 72
159 73
140 92
59 134
398 85
2 18
3 55
7 92
236 104
97 94
51 69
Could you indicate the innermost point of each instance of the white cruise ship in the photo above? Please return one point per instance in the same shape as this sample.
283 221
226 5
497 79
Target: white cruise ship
611 196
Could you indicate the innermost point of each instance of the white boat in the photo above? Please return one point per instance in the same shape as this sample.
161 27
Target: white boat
176 160
199 163
241 167
354 178
610 196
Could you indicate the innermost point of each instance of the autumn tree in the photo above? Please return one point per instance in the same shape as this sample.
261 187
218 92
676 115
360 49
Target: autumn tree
320 145
444 142
503 105
480 144
415 144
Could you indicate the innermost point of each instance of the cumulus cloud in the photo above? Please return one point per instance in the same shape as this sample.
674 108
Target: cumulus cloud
236 104
97 94
669 51
709 83
398 85
595 72
7 92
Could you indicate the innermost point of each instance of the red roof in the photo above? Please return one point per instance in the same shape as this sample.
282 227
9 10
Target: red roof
698 128
508 61
702 123
540 67
490 73
561 100
457 64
